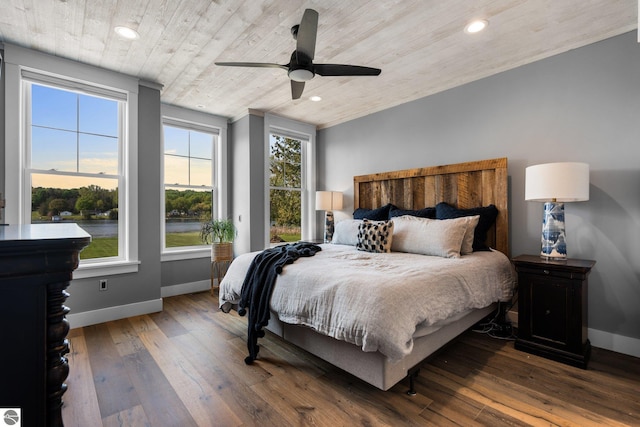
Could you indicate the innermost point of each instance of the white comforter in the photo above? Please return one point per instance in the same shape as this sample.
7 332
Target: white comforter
377 301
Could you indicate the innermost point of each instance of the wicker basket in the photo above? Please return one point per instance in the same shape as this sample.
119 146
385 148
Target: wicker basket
222 251
221 257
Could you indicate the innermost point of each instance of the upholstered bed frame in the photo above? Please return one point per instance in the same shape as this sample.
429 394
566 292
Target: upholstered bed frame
463 185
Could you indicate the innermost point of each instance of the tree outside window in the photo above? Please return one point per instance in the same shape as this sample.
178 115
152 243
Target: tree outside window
285 190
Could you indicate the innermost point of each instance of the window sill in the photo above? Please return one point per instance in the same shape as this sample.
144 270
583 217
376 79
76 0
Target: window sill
186 253
105 269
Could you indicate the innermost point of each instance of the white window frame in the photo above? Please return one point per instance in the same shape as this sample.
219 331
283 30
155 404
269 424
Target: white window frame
39 66
306 133
199 121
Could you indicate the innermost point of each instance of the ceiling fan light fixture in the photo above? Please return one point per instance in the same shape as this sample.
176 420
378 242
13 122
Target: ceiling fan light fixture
476 26
127 33
301 75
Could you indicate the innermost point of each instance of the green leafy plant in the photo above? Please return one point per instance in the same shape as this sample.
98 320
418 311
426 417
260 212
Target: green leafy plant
217 231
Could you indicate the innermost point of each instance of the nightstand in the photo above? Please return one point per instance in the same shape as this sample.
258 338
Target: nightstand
552 308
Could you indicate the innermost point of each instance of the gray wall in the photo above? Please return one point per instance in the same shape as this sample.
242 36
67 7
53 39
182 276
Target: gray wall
246 157
583 105
185 271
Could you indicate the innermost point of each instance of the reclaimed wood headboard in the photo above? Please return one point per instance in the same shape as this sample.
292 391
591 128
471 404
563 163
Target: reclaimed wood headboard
463 185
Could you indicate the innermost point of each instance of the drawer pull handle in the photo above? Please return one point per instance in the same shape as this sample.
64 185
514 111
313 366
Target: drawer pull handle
545 271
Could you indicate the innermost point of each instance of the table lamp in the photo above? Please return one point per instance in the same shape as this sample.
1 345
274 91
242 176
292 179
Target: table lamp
328 201
555 184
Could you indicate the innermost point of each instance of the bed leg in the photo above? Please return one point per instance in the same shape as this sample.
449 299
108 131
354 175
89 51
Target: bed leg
412 374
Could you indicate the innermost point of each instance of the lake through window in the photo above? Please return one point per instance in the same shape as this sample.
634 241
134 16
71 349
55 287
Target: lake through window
188 183
73 163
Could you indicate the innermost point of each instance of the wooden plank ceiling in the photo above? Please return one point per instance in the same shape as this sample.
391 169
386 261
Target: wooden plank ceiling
420 45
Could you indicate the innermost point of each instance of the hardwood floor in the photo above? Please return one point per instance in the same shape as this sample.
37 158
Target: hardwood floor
184 367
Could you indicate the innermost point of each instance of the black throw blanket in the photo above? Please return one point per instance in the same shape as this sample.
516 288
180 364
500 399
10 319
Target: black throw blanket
258 286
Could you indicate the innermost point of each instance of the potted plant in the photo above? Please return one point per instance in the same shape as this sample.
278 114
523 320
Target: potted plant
218 231
220 234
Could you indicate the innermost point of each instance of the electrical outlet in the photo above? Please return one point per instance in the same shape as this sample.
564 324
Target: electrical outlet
103 284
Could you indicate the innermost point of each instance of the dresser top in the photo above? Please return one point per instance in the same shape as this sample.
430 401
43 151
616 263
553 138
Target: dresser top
42 234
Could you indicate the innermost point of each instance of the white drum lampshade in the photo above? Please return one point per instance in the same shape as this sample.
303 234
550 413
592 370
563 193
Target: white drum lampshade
555 184
328 201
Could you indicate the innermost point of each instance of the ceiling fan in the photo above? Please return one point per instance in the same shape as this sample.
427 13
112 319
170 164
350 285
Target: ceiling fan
301 67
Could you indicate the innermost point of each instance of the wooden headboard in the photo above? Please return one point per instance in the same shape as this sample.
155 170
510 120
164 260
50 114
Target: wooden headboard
463 185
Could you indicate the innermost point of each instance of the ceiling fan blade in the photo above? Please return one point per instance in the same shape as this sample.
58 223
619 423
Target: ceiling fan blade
306 38
296 89
344 70
252 64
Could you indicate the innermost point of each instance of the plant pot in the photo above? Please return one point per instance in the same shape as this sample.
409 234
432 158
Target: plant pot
221 257
222 251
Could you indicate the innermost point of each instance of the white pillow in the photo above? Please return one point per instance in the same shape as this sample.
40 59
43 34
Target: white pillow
345 232
467 241
438 237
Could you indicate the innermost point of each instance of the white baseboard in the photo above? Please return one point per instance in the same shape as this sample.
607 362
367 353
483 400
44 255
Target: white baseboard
93 317
185 288
613 342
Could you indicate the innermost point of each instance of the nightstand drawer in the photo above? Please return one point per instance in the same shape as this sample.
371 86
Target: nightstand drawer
548 272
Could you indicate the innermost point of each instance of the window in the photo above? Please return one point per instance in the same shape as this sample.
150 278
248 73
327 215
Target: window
290 180
188 182
285 189
73 142
194 187
75 156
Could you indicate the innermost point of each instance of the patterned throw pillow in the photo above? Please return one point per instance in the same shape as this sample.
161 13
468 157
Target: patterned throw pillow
375 236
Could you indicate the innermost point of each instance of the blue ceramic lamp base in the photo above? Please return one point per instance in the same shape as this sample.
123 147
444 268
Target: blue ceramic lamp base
328 226
553 239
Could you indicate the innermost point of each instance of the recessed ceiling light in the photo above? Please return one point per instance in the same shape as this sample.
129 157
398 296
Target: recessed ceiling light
476 26
315 98
127 33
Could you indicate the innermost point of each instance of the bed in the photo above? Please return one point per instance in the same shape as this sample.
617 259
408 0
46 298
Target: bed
314 301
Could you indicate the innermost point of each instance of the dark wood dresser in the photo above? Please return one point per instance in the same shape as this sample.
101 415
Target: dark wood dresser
36 265
552 308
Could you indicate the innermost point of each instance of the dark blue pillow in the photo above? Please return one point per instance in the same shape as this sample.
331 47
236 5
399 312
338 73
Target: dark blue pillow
422 213
379 214
487 214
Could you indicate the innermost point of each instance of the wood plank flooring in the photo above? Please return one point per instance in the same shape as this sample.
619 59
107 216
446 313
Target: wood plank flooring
185 367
